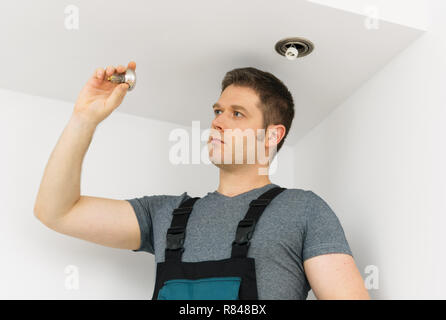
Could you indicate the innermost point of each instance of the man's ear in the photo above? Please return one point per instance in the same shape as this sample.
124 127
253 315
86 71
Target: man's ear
275 134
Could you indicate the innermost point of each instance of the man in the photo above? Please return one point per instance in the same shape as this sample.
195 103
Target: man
298 243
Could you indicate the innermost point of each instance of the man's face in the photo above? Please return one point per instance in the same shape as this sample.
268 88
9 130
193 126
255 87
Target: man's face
236 109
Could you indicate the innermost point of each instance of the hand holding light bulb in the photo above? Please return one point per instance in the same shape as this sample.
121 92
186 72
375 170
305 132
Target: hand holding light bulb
104 92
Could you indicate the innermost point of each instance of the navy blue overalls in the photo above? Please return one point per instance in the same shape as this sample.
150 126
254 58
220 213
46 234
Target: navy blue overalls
227 279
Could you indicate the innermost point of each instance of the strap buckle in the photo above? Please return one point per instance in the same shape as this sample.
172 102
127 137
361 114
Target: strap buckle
244 232
175 238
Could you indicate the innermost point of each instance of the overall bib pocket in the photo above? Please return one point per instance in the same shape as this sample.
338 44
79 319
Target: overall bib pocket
216 288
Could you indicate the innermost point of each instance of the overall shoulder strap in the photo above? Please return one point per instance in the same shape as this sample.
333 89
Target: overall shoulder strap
177 231
245 228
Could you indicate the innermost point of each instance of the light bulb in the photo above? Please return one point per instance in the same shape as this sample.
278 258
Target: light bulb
129 77
291 53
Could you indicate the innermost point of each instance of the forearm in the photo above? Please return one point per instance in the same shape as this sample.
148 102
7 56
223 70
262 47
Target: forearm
60 186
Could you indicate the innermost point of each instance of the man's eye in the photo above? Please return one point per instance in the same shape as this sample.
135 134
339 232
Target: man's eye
235 112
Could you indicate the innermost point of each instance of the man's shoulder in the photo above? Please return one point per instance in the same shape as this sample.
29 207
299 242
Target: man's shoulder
297 194
302 194
160 200
297 199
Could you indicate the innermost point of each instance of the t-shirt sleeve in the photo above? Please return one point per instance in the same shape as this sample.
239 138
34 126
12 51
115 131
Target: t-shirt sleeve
142 212
146 209
323 233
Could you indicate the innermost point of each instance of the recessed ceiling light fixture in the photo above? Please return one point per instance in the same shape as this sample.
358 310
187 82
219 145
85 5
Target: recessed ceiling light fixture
293 48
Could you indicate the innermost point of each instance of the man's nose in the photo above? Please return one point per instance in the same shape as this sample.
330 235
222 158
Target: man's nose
219 122
218 127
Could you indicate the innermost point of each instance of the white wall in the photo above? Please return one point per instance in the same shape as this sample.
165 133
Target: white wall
128 157
379 161
412 13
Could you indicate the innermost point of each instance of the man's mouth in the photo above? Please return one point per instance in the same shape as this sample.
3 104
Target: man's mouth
216 140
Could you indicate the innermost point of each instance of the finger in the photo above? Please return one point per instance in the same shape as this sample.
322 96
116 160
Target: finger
99 73
132 65
120 69
110 70
117 96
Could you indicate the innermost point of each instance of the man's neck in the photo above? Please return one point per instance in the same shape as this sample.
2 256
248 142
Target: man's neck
243 179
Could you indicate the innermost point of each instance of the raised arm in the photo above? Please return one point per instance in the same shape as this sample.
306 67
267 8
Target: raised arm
59 204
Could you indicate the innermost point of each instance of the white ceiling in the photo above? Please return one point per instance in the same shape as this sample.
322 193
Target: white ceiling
183 49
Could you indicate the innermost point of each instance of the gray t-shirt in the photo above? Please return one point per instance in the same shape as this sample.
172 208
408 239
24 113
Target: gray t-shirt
295 226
